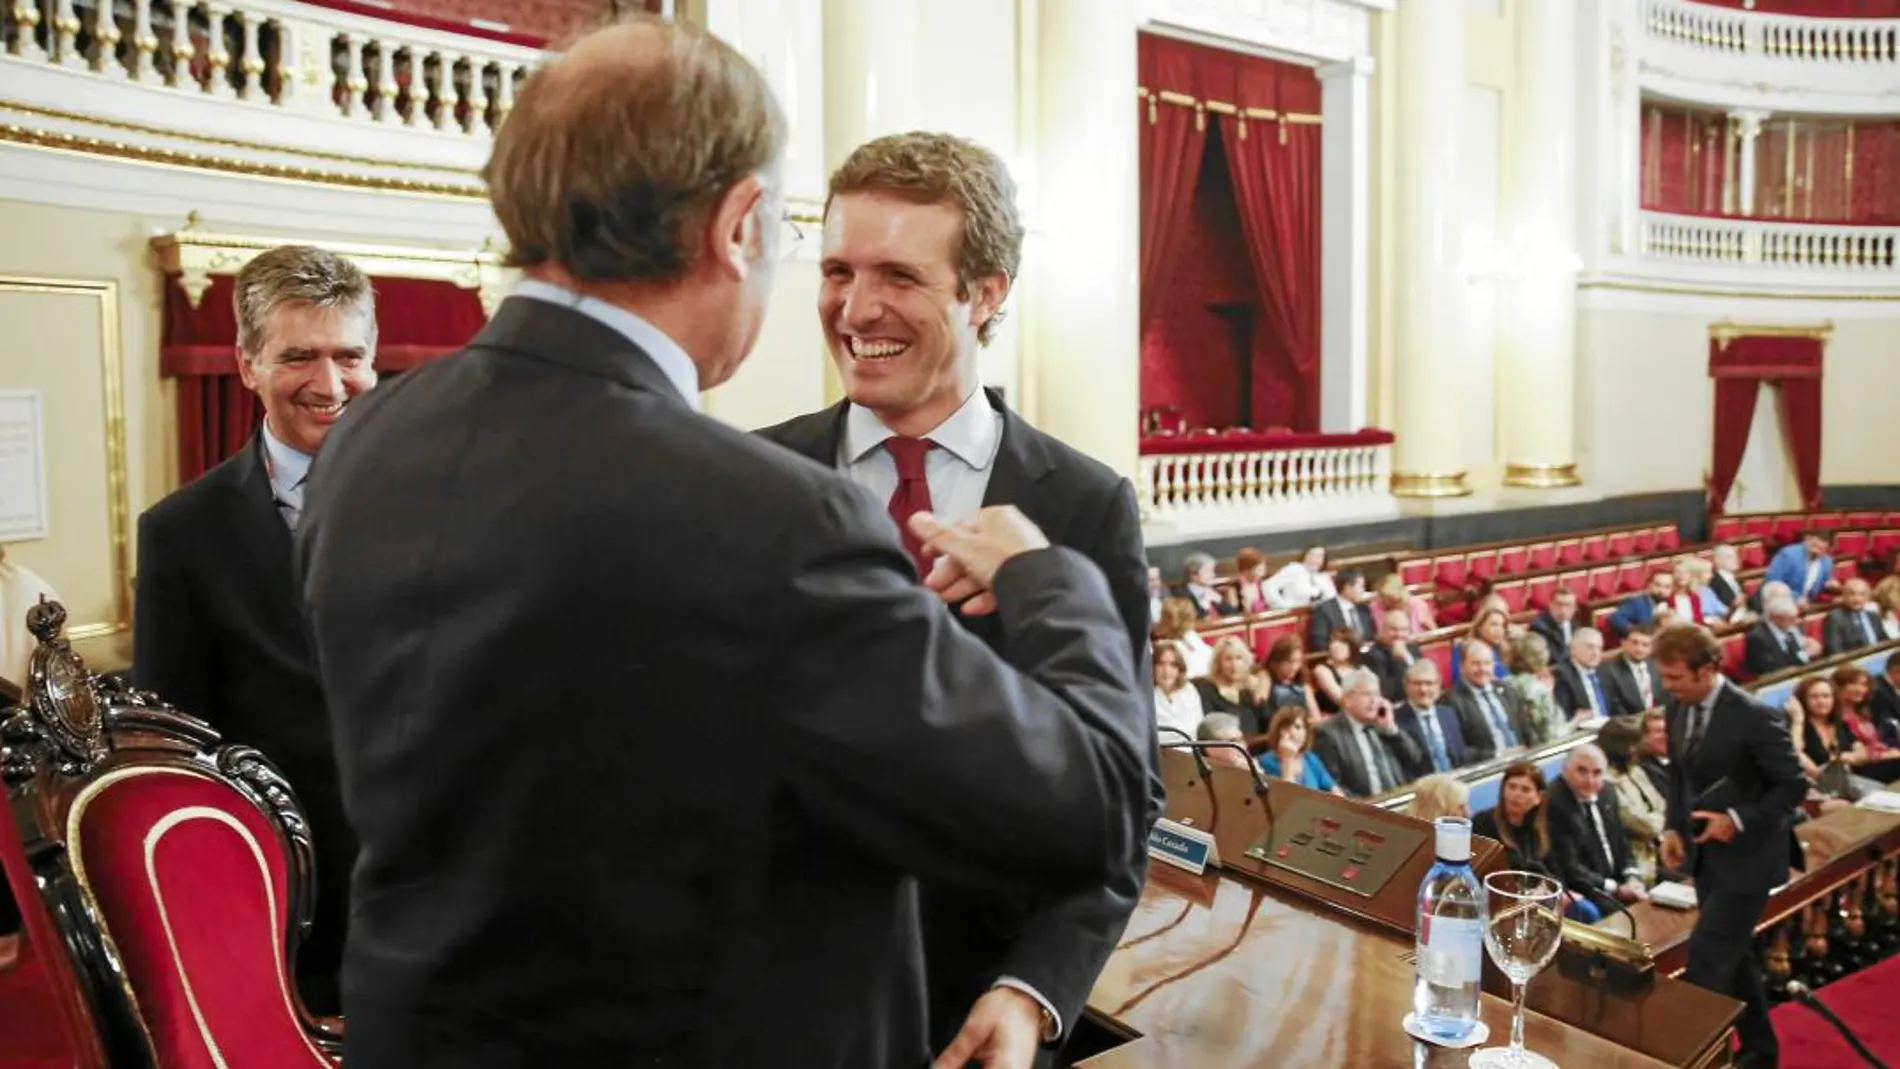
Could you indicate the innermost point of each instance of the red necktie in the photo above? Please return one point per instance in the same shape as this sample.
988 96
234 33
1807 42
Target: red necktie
913 492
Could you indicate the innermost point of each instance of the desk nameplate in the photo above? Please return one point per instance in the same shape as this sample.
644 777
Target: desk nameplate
1338 846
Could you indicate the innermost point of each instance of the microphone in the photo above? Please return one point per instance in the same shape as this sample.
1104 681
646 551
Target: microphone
1799 992
1616 904
1199 746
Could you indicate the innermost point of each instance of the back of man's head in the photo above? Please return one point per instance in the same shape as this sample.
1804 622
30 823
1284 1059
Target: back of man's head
614 156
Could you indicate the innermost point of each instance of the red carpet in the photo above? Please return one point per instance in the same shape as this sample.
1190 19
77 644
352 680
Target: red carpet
1865 1000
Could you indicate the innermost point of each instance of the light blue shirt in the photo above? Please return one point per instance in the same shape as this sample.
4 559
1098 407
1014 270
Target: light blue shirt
958 470
287 469
673 362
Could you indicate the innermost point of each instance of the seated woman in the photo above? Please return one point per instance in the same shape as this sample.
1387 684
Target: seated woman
1342 656
1640 798
1286 678
1877 760
1177 625
1692 579
1491 627
1289 752
1227 688
1177 702
1521 823
1536 685
1303 582
1392 595
1439 795
1821 736
1886 602
1250 580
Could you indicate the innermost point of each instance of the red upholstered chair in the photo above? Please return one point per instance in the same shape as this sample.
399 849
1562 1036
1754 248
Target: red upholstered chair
1603 583
1541 555
1449 571
1539 591
1632 575
1621 544
1644 540
1754 554
1850 545
1814 624
1846 568
1595 547
1482 564
1727 529
1668 537
1569 551
1415 570
1577 582
179 869
1513 560
1828 521
1883 543
1788 529
1891 519
1735 655
1862 521
1513 594
1600 616
1264 631
1439 653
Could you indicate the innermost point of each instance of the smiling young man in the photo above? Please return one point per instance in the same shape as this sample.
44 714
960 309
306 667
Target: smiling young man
219 631
921 244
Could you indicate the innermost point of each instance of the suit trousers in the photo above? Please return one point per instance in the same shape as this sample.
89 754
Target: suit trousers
1722 959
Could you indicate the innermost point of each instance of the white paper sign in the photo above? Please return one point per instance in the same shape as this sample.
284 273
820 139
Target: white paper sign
22 466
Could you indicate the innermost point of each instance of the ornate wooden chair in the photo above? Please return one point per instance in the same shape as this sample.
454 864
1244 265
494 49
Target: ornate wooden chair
177 868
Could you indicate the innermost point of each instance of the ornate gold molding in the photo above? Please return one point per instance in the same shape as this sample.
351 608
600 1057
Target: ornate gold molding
1429 484
1727 331
112 377
194 255
1541 476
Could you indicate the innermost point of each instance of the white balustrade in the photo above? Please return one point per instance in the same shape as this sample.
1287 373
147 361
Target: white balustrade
1250 485
1798 247
276 54
1773 36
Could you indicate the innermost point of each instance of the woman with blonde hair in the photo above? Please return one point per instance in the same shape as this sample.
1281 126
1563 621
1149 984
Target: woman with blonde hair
1177 625
1439 795
1886 601
1394 596
1536 684
1226 687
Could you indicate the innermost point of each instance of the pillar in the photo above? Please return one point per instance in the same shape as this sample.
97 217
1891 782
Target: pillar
1536 400
1345 223
1430 57
1748 125
1083 259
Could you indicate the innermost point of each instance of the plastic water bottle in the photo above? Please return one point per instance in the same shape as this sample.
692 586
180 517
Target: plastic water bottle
1451 919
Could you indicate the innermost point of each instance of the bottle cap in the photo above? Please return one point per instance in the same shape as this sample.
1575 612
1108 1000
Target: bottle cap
1454 838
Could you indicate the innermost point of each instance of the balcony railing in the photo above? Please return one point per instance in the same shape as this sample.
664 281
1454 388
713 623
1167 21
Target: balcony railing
1745 34
279 55
1206 484
1864 251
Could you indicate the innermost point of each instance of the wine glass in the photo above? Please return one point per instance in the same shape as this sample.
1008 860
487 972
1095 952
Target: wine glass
1525 929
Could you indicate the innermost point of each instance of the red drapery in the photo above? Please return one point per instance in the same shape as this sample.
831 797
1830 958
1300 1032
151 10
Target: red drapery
1173 137
1820 9
1818 169
416 321
1739 366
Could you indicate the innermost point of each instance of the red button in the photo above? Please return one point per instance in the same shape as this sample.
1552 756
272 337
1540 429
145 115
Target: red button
1283 852
1351 871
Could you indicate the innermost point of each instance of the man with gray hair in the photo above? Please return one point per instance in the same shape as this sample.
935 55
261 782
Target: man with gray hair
1590 851
1363 747
1431 723
1852 624
511 650
1197 585
1777 642
218 631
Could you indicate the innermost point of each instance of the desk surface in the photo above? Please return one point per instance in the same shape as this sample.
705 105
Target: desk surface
1217 971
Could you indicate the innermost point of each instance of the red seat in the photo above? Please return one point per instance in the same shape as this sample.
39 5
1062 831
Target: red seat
1851 545
1763 525
1667 537
1727 529
1883 543
1621 544
1892 519
1644 540
1569 551
1264 631
1450 571
1415 570
1632 575
1845 569
1602 583
1754 554
1813 624
43 1020
1788 529
1577 583
1862 521
1595 547
1513 594
1735 654
1540 590
1542 555
1439 653
1482 564
1600 615
1513 560
1827 521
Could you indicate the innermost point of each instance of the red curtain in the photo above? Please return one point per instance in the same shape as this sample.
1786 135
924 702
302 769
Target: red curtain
1739 366
416 321
1830 9
1173 137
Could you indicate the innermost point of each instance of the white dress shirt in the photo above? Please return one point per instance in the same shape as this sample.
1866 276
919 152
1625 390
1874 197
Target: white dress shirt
1640 670
1294 586
1181 710
958 470
673 362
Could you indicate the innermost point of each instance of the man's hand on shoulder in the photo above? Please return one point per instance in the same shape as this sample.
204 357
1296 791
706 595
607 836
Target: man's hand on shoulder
1002 1031
970 552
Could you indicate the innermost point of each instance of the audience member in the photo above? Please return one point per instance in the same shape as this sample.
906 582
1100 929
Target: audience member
1885 703
1344 611
1521 823
1589 848
1198 588
1157 593
1853 623
1629 681
1250 570
1806 566
1394 653
1657 596
1228 688
1392 594
1492 719
1536 687
1288 754
1579 690
1439 795
1642 798
1725 585
1491 630
1692 576
1887 604
1777 642
1286 678
1853 688
1177 625
1177 702
1821 736
1558 623
1224 727
1362 747
1300 583
1431 723
1342 656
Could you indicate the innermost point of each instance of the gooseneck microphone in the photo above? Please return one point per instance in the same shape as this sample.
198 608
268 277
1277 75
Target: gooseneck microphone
1199 746
1615 903
1799 992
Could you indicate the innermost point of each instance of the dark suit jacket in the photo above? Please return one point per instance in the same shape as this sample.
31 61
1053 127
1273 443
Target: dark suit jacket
621 808
1337 750
1057 947
1554 636
1747 743
219 633
1840 633
1763 651
1391 670
1726 590
1406 718
1572 691
1885 707
1576 853
1625 694
1480 741
1329 616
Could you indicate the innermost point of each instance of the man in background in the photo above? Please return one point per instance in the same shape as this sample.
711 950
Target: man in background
1590 851
921 245
1777 643
1733 792
517 660
1806 566
1363 747
219 625
1394 654
1852 625
1558 623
